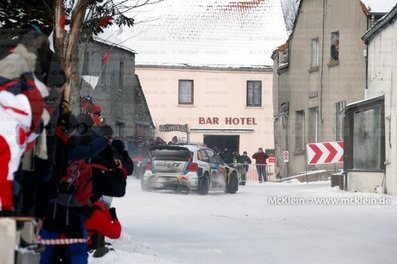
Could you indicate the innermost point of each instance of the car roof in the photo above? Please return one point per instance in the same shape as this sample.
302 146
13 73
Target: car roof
170 147
193 147
190 147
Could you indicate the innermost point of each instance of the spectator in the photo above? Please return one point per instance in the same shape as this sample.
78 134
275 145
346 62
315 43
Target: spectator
102 223
260 161
174 141
21 110
245 160
236 157
121 153
68 221
226 156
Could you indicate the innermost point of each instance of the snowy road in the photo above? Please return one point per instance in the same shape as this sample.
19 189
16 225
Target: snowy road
165 227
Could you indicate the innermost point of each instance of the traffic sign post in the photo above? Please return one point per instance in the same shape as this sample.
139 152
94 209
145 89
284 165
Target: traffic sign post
286 156
324 152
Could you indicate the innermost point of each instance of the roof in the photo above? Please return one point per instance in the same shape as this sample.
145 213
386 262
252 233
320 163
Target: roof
368 7
379 6
382 23
113 44
215 33
364 102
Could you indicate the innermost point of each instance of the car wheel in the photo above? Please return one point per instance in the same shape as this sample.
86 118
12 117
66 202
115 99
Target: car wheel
203 184
232 185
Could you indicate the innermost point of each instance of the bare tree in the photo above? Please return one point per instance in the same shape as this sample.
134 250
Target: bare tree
92 16
71 20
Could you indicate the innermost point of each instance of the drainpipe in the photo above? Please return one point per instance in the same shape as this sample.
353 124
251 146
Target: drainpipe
322 65
369 23
286 142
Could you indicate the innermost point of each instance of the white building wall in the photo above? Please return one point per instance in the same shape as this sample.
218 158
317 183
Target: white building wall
218 94
382 80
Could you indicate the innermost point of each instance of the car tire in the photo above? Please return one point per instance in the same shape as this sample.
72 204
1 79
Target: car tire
232 185
203 184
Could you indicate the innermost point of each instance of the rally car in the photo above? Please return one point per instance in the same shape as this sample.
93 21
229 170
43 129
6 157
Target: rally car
189 168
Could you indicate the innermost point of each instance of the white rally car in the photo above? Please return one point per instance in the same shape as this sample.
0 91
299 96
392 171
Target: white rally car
189 168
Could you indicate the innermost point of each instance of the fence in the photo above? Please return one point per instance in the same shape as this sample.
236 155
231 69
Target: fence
252 171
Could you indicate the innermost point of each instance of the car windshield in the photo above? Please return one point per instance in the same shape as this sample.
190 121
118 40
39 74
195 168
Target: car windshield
181 154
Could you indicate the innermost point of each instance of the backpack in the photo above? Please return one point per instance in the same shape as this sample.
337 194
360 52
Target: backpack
76 187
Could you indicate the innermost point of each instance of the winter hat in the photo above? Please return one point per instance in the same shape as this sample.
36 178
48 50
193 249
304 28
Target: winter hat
118 145
85 119
106 130
68 121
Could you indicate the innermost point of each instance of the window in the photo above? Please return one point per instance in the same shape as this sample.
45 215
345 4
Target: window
254 93
119 129
300 131
314 52
367 135
339 107
203 155
335 46
314 119
185 92
86 63
213 157
121 77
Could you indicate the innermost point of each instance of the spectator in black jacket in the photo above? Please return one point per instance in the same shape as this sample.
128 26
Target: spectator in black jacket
121 153
227 156
113 181
245 160
69 221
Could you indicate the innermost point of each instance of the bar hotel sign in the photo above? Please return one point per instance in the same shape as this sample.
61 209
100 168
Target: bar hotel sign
227 121
210 121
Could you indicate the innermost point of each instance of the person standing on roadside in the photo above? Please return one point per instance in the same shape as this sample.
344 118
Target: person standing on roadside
260 161
226 156
245 160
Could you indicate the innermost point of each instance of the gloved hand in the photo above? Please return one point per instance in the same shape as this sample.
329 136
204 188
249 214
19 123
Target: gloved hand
112 212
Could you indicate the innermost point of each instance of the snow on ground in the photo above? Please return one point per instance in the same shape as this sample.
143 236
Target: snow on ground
262 223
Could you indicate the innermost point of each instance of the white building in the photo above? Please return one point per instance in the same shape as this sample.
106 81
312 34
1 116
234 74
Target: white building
376 116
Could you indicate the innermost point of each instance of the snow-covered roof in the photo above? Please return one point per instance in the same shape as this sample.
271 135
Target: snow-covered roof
111 43
379 6
382 23
217 33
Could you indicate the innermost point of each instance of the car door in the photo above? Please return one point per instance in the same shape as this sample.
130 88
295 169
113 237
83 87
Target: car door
217 168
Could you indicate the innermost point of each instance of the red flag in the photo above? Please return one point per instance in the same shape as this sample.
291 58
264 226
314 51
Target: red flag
105 57
104 21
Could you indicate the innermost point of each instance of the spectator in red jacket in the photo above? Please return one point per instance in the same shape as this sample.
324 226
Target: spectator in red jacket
260 161
102 223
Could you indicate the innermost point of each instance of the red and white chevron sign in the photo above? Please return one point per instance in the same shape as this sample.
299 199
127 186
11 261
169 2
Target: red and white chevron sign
324 152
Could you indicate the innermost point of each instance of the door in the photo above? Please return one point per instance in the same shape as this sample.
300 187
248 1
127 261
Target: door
220 142
217 169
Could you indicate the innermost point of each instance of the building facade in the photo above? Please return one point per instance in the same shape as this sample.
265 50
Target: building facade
317 72
220 107
108 77
371 123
